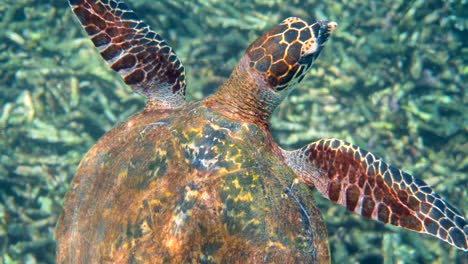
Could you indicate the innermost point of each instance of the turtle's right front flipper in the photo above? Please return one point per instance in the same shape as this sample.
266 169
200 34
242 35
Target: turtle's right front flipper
143 59
366 185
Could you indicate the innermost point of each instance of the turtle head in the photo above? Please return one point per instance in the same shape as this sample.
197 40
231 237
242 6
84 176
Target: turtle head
271 67
283 55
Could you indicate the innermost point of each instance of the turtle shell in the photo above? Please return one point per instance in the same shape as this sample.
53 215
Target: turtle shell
197 187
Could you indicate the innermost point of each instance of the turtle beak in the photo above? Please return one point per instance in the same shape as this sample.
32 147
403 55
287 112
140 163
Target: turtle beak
322 30
325 29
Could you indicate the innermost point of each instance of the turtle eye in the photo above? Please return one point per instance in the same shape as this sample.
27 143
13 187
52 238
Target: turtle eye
285 53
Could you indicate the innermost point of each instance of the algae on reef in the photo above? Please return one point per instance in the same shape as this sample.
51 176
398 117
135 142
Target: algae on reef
392 80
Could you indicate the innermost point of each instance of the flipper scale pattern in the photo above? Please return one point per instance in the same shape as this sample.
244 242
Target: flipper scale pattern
365 184
141 56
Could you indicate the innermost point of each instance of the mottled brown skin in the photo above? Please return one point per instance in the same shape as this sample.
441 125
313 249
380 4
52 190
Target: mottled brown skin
162 187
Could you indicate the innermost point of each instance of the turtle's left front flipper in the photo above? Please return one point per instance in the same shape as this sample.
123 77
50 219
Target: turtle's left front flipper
366 185
141 56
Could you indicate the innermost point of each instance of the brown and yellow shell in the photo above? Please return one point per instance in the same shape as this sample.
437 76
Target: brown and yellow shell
184 186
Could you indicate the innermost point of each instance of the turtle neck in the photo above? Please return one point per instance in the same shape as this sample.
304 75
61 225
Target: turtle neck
245 96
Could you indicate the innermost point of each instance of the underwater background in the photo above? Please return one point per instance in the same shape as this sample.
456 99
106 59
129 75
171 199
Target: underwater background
392 79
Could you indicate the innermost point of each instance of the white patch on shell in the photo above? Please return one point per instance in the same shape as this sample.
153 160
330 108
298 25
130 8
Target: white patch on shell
150 127
178 221
197 152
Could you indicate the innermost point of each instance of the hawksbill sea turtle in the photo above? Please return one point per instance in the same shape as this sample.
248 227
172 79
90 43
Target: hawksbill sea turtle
204 181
